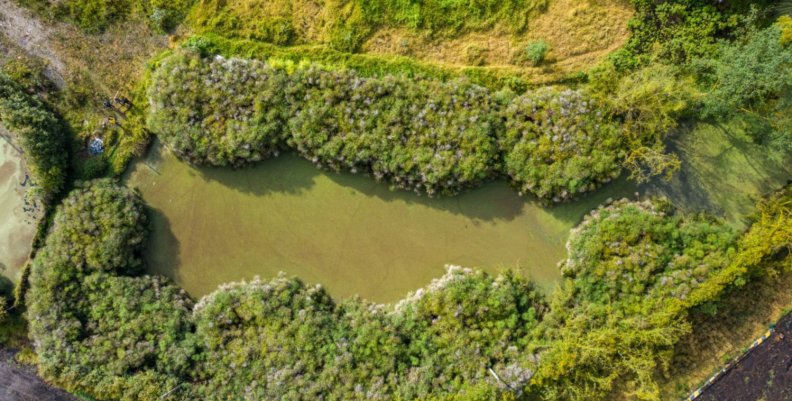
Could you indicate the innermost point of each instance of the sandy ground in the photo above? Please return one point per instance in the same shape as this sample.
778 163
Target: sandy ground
17 220
20 27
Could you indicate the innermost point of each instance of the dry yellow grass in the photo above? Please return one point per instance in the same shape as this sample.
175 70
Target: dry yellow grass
580 33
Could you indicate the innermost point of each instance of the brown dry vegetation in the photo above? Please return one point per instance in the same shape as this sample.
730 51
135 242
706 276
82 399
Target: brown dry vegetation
579 33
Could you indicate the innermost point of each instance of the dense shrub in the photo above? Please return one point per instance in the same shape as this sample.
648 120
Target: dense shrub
307 347
559 144
535 52
648 103
39 132
632 268
677 31
95 330
221 112
425 135
431 136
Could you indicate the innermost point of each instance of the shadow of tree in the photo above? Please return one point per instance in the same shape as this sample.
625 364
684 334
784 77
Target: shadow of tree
723 172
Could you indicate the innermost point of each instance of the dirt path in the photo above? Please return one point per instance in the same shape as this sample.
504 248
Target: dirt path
20 383
26 31
764 374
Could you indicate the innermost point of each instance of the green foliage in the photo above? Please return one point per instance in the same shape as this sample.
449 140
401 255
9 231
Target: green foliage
649 102
785 25
677 31
420 134
424 135
535 52
346 24
93 167
440 341
632 268
39 132
752 78
95 16
559 144
95 330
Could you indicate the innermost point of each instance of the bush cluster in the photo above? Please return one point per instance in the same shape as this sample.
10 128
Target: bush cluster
677 31
425 135
282 340
559 144
633 269
96 330
40 134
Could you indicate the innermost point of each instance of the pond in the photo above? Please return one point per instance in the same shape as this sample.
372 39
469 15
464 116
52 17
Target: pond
17 225
351 234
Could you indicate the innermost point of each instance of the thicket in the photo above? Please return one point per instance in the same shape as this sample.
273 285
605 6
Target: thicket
431 136
40 134
634 271
95 330
96 15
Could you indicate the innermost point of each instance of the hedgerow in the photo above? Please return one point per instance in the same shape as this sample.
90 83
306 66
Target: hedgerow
41 135
420 134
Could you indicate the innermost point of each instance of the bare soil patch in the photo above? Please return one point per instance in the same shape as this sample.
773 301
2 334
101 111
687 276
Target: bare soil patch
764 374
20 383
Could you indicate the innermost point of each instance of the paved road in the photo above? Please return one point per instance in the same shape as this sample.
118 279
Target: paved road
20 383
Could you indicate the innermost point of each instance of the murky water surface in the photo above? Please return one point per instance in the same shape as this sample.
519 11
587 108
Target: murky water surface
347 232
17 227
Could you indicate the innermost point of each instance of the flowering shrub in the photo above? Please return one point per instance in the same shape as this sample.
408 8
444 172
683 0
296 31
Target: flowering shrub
425 135
633 271
559 144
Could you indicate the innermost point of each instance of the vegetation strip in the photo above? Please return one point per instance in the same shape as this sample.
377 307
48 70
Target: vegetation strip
433 137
